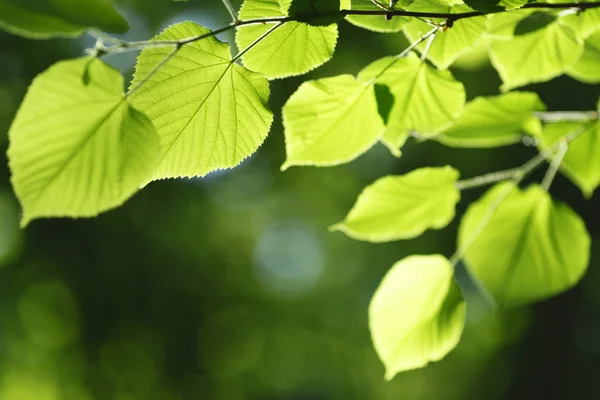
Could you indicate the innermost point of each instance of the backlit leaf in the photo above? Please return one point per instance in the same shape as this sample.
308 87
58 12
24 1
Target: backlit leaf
587 69
403 207
495 121
331 121
78 149
210 113
417 314
426 100
293 49
531 249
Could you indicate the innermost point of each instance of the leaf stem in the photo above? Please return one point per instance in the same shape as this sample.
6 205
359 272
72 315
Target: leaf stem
231 10
428 46
257 41
555 164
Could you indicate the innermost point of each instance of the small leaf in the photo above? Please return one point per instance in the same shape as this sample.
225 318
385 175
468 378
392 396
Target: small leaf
293 49
581 163
210 113
531 249
330 121
494 5
403 207
45 19
450 44
584 23
313 12
534 22
77 150
417 314
536 57
587 69
495 121
426 100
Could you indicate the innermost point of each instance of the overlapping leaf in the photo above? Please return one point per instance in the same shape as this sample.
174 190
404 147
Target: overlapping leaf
403 207
495 121
44 19
587 69
210 113
581 163
375 23
532 248
584 23
450 44
331 121
417 314
541 52
426 100
292 49
77 147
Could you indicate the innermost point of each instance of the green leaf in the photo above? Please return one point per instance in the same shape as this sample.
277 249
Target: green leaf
78 149
536 57
42 19
426 100
417 314
584 23
330 121
292 49
503 25
375 23
531 249
495 121
210 113
494 5
587 69
450 44
403 207
581 163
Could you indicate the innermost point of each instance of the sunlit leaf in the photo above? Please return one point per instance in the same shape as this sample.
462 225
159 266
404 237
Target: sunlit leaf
581 163
587 69
41 19
532 248
77 149
210 113
403 207
293 49
450 44
376 23
426 100
584 23
537 56
417 314
494 5
495 121
331 121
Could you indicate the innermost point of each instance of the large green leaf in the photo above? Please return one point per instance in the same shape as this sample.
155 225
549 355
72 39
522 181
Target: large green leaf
587 69
536 56
495 121
331 121
450 44
376 23
210 113
531 249
584 23
403 207
417 314
41 19
77 147
293 49
581 163
426 100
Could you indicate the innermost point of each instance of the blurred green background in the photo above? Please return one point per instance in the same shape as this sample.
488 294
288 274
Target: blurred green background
230 287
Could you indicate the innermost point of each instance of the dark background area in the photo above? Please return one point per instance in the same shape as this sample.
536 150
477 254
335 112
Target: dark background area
231 287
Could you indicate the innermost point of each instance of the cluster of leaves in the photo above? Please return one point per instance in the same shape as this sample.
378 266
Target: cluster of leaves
81 145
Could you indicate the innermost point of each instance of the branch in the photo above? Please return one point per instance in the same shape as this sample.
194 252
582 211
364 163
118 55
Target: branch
450 17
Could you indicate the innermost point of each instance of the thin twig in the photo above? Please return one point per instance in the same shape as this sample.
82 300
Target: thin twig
427 46
132 46
567 116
